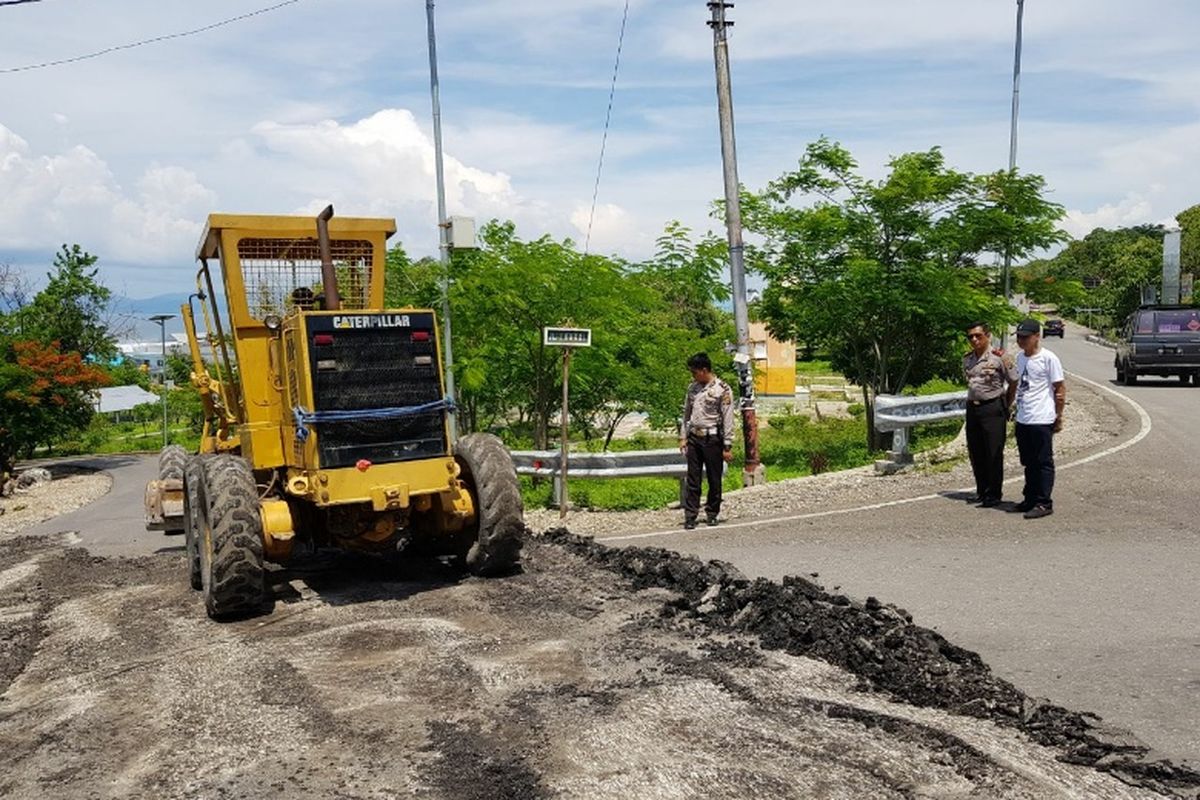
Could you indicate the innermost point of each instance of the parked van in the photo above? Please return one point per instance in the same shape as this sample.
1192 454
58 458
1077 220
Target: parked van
1160 340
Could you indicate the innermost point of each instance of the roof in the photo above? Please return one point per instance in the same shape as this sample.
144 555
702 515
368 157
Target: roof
287 227
122 398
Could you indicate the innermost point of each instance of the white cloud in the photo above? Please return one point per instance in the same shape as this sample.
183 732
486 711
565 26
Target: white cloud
1133 209
72 197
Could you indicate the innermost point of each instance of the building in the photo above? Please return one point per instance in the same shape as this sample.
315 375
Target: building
118 399
150 354
774 364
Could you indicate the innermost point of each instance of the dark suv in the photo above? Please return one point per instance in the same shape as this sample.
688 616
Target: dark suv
1160 340
1053 327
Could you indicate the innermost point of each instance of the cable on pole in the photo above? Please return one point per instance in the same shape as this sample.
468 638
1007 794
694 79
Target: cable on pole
607 121
154 40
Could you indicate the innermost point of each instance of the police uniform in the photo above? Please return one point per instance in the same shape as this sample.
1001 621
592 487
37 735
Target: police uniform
988 377
708 432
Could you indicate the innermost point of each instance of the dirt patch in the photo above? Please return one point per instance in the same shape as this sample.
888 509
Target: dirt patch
576 678
879 644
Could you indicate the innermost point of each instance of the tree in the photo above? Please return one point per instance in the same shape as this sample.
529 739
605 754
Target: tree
1110 267
884 274
411 284
45 394
1189 256
71 310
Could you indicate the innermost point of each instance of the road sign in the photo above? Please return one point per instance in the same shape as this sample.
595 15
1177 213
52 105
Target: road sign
567 337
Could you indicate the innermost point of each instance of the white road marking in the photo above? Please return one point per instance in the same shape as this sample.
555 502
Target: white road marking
1144 431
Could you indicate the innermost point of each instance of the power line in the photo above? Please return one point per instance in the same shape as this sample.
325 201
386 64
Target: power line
17 2
143 42
607 120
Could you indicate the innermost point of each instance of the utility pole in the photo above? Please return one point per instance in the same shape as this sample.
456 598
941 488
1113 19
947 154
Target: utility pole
161 319
1012 147
443 223
753 473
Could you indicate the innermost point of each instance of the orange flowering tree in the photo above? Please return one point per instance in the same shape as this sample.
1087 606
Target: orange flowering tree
45 394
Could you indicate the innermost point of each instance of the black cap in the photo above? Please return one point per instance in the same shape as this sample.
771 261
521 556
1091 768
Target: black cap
1029 326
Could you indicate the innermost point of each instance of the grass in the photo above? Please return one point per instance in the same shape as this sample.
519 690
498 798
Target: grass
814 366
104 437
794 446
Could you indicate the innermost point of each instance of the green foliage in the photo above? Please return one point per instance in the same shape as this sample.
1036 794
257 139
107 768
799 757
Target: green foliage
646 319
411 284
44 396
1117 262
937 386
799 445
71 309
814 366
883 274
1189 254
126 373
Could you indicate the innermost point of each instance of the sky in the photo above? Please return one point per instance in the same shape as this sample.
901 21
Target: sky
328 101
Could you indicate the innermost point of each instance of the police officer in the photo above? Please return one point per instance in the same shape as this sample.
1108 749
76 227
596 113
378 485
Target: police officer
988 379
706 438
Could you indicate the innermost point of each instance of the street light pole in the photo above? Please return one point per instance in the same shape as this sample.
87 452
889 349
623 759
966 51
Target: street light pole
1012 139
161 319
443 223
753 472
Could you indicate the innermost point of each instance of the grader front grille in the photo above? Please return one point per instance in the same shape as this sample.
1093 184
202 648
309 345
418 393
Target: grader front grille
366 368
282 274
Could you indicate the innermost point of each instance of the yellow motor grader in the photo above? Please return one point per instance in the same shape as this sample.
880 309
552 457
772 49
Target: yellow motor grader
326 418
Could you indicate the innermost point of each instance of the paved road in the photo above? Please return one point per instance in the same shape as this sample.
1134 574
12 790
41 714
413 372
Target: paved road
1096 607
113 525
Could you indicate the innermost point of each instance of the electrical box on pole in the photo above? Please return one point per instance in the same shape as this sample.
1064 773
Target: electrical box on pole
461 233
568 339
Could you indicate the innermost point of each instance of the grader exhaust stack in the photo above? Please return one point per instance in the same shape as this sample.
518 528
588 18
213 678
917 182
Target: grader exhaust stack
333 301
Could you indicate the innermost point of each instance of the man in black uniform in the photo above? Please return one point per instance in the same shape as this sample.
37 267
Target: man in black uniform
706 438
988 378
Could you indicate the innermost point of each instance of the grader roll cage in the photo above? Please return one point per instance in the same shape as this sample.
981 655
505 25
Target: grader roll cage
326 420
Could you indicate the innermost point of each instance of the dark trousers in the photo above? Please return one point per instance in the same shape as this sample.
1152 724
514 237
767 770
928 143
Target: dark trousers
986 427
703 452
1036 446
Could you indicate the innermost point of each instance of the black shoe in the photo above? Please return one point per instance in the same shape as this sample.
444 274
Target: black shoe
990 502
689 524
973 498
1038 512
1021 508
710 520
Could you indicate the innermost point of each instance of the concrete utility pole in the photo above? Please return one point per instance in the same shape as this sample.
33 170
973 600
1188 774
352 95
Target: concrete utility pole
161 319
443 223
1012 144
754 473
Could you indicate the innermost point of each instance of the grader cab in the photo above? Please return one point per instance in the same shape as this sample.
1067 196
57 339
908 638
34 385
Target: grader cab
326 418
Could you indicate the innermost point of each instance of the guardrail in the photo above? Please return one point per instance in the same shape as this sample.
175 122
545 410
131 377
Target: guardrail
631 464
898 413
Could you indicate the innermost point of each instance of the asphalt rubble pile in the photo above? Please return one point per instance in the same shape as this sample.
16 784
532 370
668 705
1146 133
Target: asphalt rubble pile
880 644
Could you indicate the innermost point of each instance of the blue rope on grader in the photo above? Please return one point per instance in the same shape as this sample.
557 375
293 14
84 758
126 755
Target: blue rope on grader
305 418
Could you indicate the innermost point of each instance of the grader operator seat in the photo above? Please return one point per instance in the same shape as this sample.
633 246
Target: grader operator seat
334 409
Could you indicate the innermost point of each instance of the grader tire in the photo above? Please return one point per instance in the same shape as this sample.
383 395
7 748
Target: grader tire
495 539
170 462
193 478
231 545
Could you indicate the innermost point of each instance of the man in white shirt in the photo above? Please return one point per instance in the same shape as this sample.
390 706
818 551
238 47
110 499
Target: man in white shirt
1040 395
